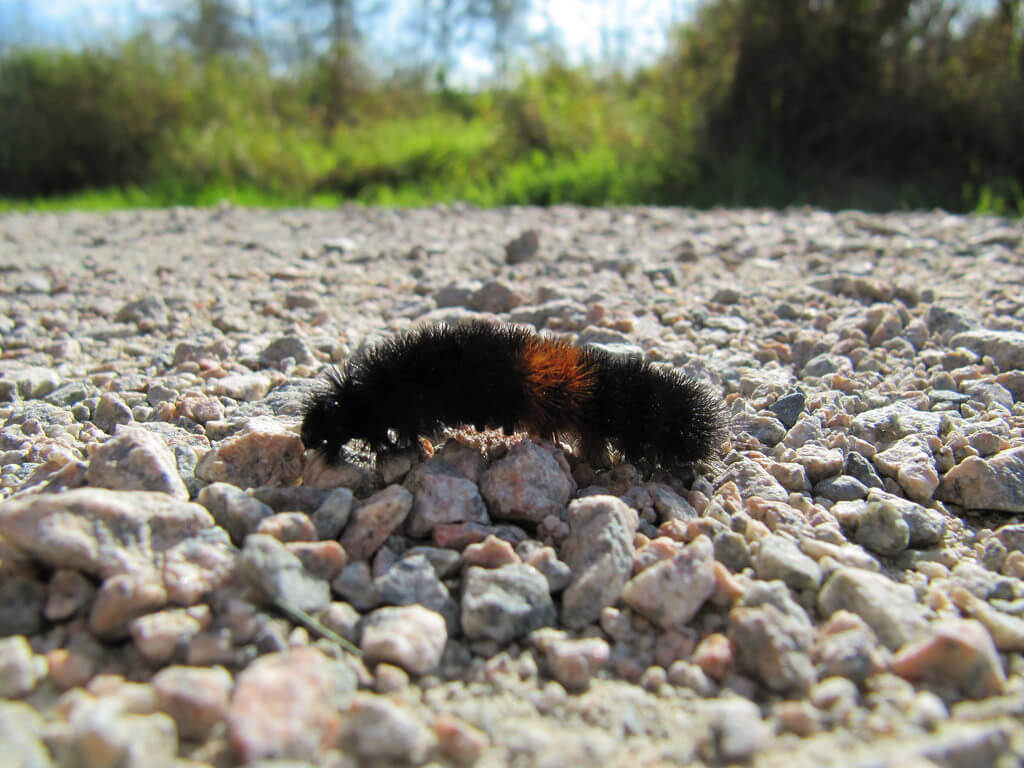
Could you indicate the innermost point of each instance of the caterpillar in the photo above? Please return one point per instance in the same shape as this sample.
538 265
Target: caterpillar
490 375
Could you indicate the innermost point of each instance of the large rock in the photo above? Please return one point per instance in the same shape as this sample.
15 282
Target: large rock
150 537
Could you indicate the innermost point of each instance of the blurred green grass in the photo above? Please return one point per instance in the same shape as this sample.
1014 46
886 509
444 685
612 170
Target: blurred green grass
747 108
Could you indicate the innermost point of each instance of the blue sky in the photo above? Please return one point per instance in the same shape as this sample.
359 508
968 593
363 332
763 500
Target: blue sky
578 23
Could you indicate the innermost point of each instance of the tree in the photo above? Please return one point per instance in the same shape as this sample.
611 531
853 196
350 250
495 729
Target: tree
212 27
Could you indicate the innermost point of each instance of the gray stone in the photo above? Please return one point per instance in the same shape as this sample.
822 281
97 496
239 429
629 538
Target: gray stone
827 363
882 529
767 430
772 636
502 604
374 520
382 730
135 460
21 605
780 558
892 422
841 488
753 480
233 509
284 347
599 553
528 484
522 248
731 550
995 483
151 538
267 565
948 321
442 494
355 583
888 608
789 407
412 580
1005 347
927 526
670 592
111 412
861 469
332 514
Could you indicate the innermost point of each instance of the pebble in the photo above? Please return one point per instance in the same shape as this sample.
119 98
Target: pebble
882 529
955 651
285 706
995 483
528 484
780 558
739 729
21 670
714 655
819 462
234 510
492 552
411 637
332 514
1007 631
374 520
572 662
671 591
266 452
599 553
895 421
847 648
21 733
459 741
788 408
381 729
771 637
323 559
911 463
887 607
502 604
135 460
267 565
753 480
288 526
1005 347
196 697
414 580
442 494
160 635
69 594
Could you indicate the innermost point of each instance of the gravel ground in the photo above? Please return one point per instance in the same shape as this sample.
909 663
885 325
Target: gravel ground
180 585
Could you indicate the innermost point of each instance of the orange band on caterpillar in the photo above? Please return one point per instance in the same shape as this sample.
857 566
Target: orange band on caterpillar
492 375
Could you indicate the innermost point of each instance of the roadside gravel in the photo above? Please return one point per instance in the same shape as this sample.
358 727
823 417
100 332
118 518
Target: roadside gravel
181 585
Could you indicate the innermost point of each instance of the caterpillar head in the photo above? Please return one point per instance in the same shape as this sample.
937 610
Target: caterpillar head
325 427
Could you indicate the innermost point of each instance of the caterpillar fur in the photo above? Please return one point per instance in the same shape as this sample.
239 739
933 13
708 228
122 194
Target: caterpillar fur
492 375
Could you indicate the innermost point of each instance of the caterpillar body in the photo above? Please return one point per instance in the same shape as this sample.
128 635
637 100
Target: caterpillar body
491 375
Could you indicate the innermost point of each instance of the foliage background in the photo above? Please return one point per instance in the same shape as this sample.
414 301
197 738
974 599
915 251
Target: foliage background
876 104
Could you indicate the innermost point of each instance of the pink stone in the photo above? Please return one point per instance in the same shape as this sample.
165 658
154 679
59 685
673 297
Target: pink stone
959 652
288 526
374 520
714 656
323 559
283 707
492 552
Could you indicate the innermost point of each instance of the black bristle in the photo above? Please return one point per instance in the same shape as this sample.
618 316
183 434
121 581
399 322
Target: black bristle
490 375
